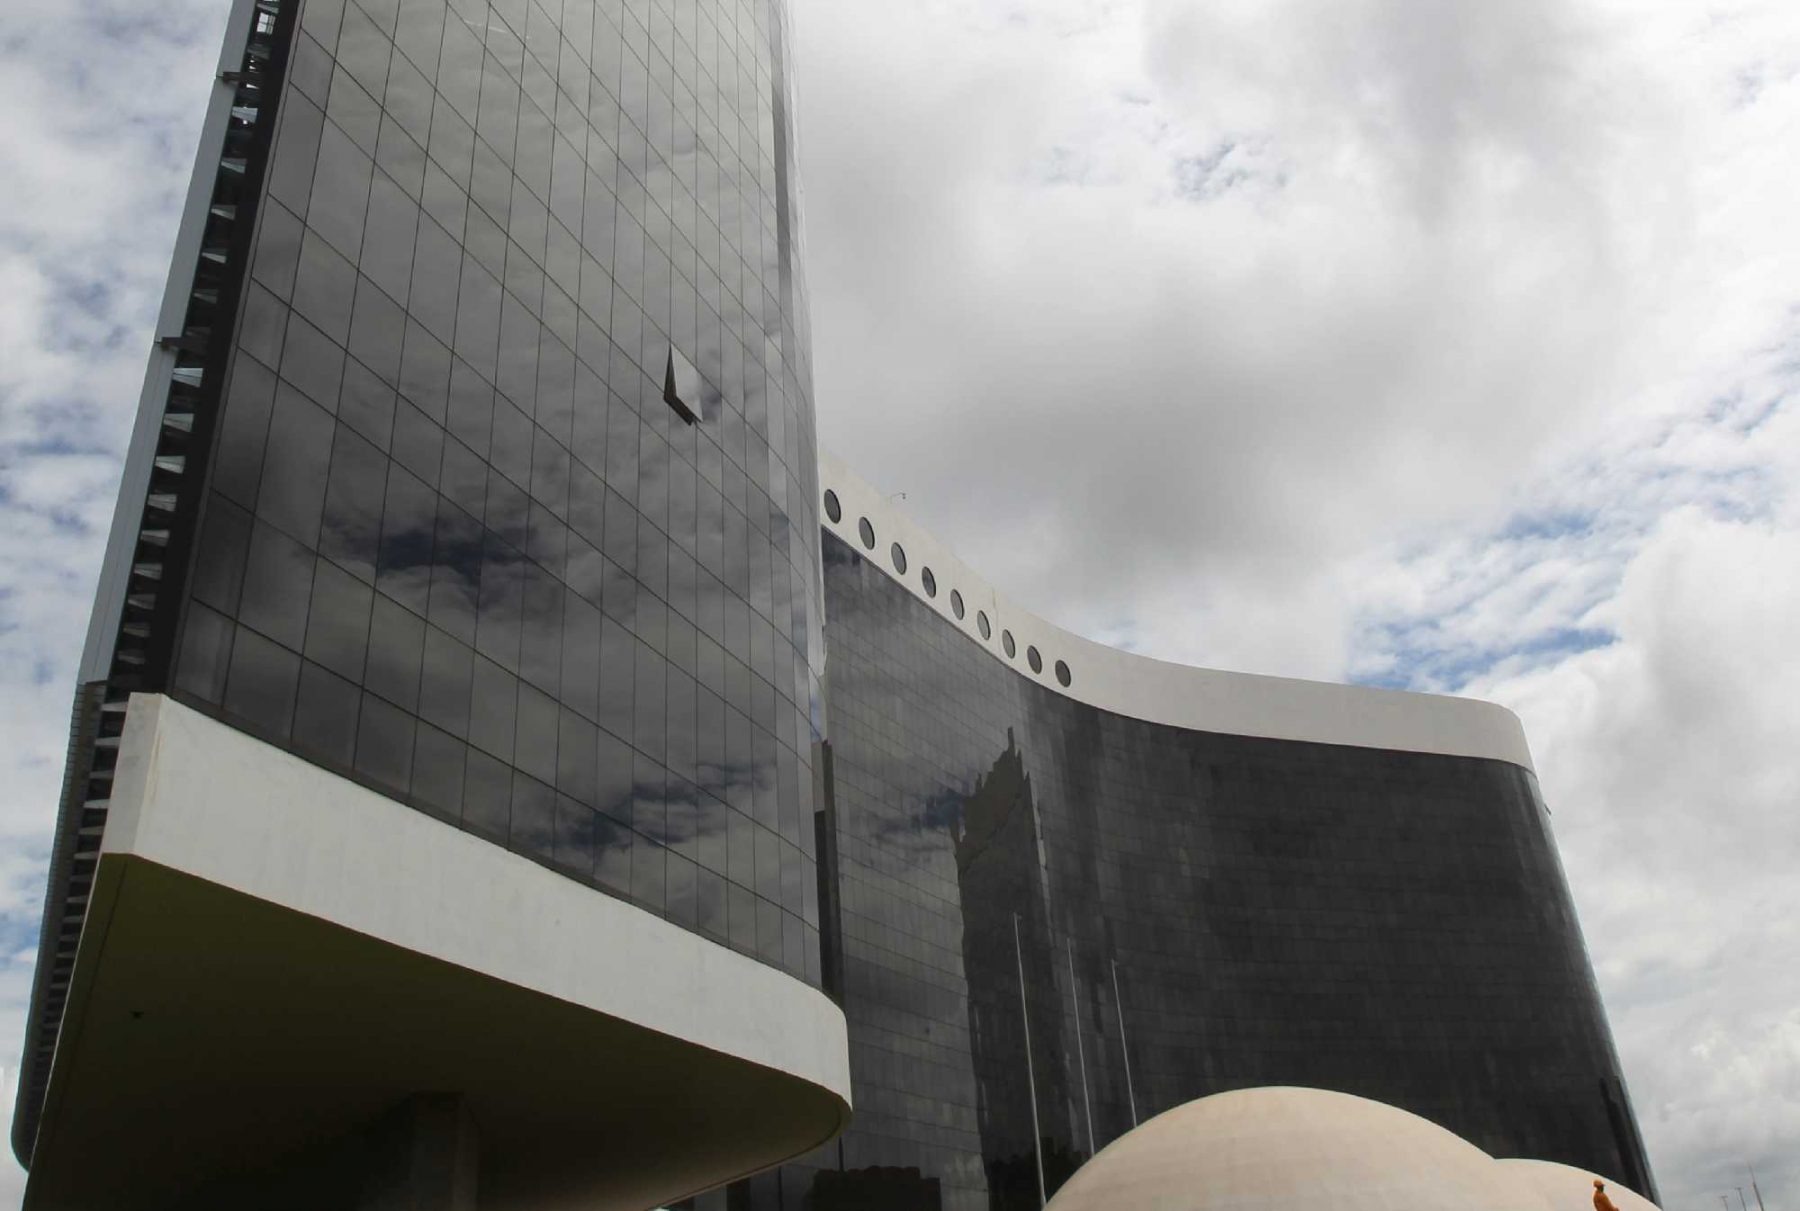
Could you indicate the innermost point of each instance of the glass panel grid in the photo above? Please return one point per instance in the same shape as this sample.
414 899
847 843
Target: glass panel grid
456 545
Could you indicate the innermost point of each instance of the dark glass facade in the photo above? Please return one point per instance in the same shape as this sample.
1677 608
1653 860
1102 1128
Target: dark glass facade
454 542
1056 922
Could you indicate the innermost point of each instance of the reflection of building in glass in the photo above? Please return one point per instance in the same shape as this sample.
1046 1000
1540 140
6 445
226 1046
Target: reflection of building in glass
450 804
1012 981
876 1189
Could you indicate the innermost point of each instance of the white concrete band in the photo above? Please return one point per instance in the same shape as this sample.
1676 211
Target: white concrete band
1207 700
203 798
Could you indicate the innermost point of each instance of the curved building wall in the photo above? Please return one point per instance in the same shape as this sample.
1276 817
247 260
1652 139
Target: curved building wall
1058 920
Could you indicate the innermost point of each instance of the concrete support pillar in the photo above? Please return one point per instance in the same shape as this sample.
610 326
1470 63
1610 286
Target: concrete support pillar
427 1157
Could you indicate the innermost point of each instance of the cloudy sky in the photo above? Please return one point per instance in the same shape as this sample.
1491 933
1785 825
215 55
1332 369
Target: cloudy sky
1444 346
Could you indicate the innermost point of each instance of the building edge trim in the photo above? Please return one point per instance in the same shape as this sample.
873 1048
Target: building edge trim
1158 691
251 60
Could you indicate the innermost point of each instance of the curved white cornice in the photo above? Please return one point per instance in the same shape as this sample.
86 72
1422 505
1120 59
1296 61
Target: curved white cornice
198 796
272 953
1206 700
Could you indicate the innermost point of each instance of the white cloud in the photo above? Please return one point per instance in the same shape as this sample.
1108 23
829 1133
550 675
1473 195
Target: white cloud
1466 240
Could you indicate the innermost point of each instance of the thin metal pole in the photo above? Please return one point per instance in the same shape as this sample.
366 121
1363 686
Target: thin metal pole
1741 1202
1753 1186
1037 1135
1125 1046
1080 1048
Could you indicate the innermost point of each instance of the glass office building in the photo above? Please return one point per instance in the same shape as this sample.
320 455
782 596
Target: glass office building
477 465
1055 920
464 625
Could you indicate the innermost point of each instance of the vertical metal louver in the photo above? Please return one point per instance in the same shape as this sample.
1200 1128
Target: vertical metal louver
149 615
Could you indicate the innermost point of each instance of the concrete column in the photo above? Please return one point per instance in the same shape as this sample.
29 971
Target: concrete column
426 1156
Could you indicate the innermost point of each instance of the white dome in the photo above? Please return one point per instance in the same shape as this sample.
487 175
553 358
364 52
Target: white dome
1567 1188
1282 1149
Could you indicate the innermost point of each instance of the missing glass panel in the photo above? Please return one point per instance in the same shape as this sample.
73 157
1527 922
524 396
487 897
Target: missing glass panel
681 387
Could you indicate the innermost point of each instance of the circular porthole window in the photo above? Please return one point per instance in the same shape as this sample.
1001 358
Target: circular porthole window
956 605
1006 641
1062 674
981 624
899 554
1034 660
833 509
929 581
868 533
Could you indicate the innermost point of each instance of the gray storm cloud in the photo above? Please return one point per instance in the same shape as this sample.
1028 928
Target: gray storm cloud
1407 279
